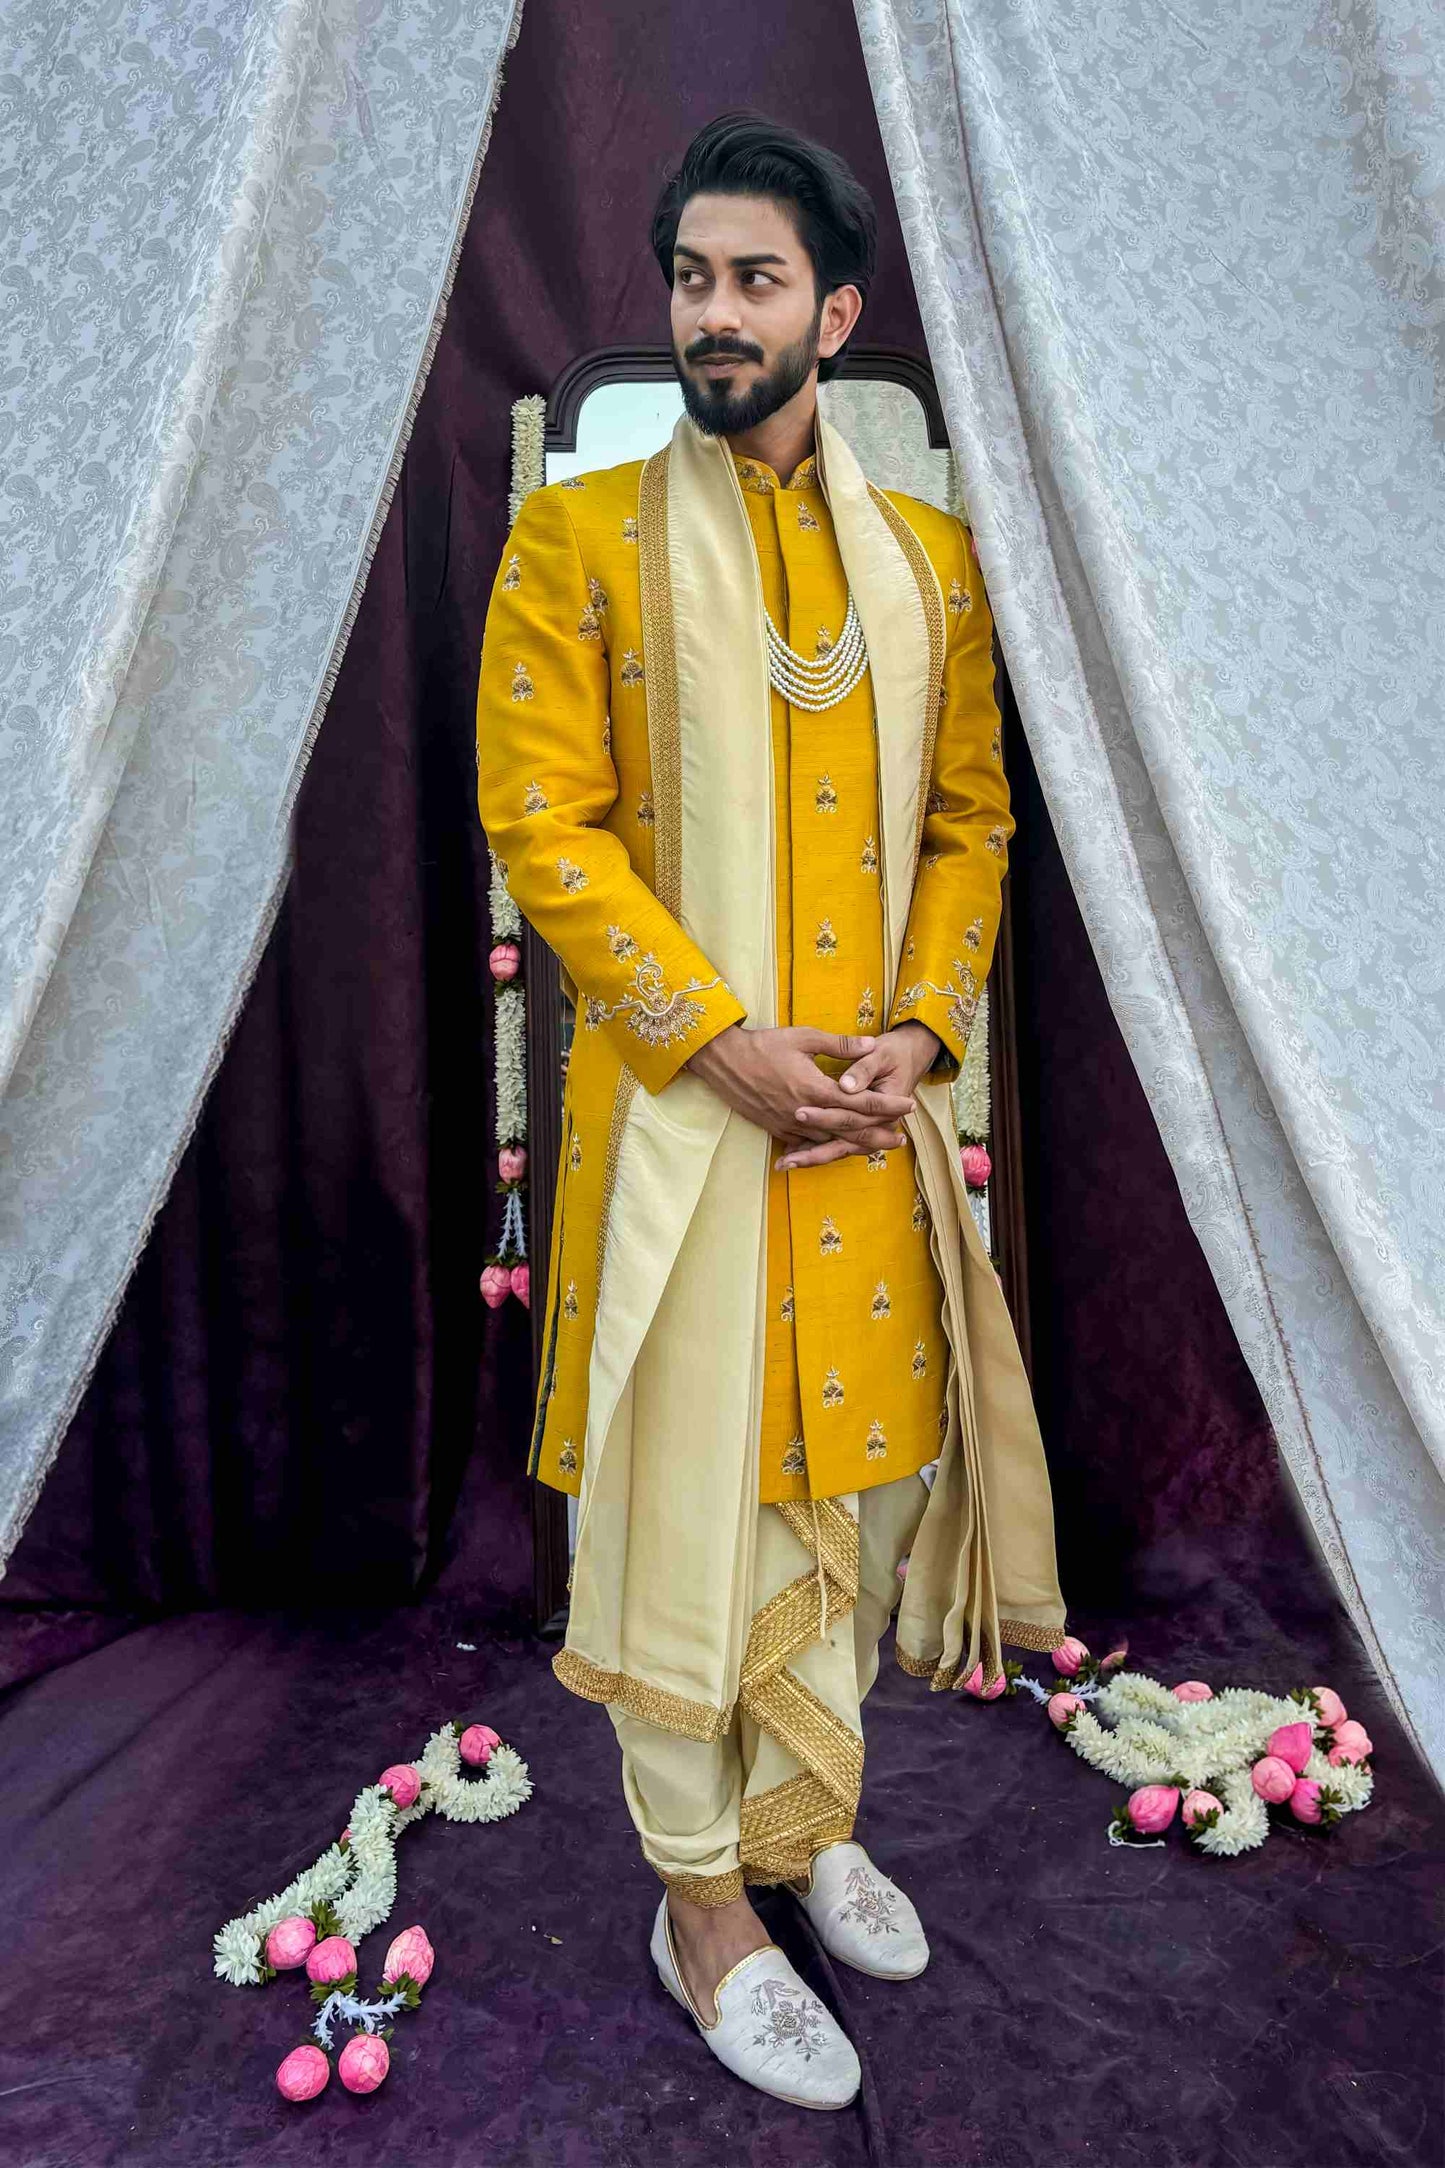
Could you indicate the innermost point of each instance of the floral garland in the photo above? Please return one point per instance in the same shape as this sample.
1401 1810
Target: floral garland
506 1270
317 1919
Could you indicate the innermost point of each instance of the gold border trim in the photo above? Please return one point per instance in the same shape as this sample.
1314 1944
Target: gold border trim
652 1704
659 648
931 596
710 1891
783 1830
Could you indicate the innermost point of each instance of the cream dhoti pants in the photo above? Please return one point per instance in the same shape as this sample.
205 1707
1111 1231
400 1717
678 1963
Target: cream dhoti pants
756 1804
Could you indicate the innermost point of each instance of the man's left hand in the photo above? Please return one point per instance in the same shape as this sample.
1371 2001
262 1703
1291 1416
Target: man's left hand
895 1062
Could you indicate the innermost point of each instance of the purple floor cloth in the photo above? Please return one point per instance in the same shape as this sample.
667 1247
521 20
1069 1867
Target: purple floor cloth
1083 2004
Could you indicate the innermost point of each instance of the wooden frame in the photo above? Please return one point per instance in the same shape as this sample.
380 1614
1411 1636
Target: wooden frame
650 364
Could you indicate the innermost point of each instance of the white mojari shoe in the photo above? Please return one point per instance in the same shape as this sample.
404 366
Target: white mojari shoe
770 2029
862 1917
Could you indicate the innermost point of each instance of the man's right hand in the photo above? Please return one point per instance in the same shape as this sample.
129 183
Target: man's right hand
768 1074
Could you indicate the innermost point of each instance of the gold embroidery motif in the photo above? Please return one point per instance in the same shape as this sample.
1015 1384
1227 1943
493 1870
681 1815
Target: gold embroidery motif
962 1001
805 474
657 1015
935 801
572 481
785 1307
631 667
825 798
806 521
534 799
931 859
880 1305
832 1390
597 594
830 1240
569 1300
607 734
877 1445
995 743
943 1422
920 1212
909 950
512 577
629 529
567 1458
795 1459
826 941
869 860
574 1152
645 812
867 1010
572 877
620 943
995 840
589 625
876 1162
823 644
522 686
974 934
919 1365
752 476
959 598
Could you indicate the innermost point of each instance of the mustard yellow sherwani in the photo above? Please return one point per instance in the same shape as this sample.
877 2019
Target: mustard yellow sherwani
576 711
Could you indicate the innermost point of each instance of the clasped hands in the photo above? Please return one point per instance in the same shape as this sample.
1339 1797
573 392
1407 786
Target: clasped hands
771 1077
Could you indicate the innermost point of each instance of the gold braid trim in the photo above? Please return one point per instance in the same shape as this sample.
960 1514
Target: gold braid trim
1020 1635
664 713
781 1831
707 1890
670 1712
1016 1632
930 594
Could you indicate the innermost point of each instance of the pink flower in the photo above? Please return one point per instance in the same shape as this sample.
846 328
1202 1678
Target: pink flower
410 1953
512 1162
1193 1690
1115 1657
1331 1709
902 1567
289 1943
330 1961
364 2062
496 1285
1197 1805
402 1781
1070 1657
974 1685
1352 1743
522 1284
1152 1808
1063 1708
505 960
976 1165
1304 1800
477 1744
1292 1743
1273 1779
346 1834
302 2074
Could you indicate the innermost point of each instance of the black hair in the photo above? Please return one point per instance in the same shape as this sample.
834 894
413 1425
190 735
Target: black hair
743 153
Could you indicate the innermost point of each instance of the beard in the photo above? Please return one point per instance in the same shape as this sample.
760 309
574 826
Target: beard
719 408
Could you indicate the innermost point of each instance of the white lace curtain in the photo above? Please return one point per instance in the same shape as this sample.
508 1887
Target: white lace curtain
231 227
1181 278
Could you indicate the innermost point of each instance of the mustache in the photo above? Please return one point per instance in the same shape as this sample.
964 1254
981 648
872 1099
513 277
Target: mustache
713 349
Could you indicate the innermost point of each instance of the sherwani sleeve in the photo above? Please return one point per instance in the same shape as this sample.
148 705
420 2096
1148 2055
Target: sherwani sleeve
954 915
546 781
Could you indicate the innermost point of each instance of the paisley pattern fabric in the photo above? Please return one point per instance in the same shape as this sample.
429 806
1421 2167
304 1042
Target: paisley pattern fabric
230 256
1184 334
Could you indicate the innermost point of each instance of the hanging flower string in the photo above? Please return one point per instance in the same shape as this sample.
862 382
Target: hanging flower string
316 1921
506 1271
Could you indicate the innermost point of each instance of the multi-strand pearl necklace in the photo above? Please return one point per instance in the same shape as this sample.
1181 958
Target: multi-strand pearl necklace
817 685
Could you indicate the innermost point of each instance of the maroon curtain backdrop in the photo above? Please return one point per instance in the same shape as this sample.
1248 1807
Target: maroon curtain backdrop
303 1398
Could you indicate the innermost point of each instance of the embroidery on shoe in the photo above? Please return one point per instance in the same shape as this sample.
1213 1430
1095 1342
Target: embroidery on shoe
867 1902
787 2019
658 1015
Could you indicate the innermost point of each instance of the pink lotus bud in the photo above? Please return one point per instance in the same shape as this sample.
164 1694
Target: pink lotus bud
1351 1743
1070 1657
1193 1690
477 1744
1331 1709
345 1837
411 1953
363 2063
1062 1707
505 960
1273 1779
974 1685
290 1943
302 2074
512 1162
1292 1743
902 1567
1197 1805
330 1961
1304 1800
1115 1657
402 1781
496 1285
522 1284
1152 1808
976 1165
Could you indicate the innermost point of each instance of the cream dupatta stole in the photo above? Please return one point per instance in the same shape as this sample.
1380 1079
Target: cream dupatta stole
660 1616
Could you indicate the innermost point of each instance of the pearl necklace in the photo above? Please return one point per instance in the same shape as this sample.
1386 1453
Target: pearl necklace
817 685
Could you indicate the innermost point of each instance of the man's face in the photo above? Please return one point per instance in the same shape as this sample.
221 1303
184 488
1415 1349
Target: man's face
747 327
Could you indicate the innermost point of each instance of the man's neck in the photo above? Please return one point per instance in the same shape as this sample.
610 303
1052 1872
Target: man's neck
781 442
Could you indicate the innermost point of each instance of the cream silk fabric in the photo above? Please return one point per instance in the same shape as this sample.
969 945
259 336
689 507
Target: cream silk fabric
230 231
663 1566
1180 275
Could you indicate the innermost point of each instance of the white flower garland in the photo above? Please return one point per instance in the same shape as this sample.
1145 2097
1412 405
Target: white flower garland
972 1106
358 1879
511 1062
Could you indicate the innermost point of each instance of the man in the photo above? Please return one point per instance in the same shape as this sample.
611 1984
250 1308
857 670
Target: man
739 756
